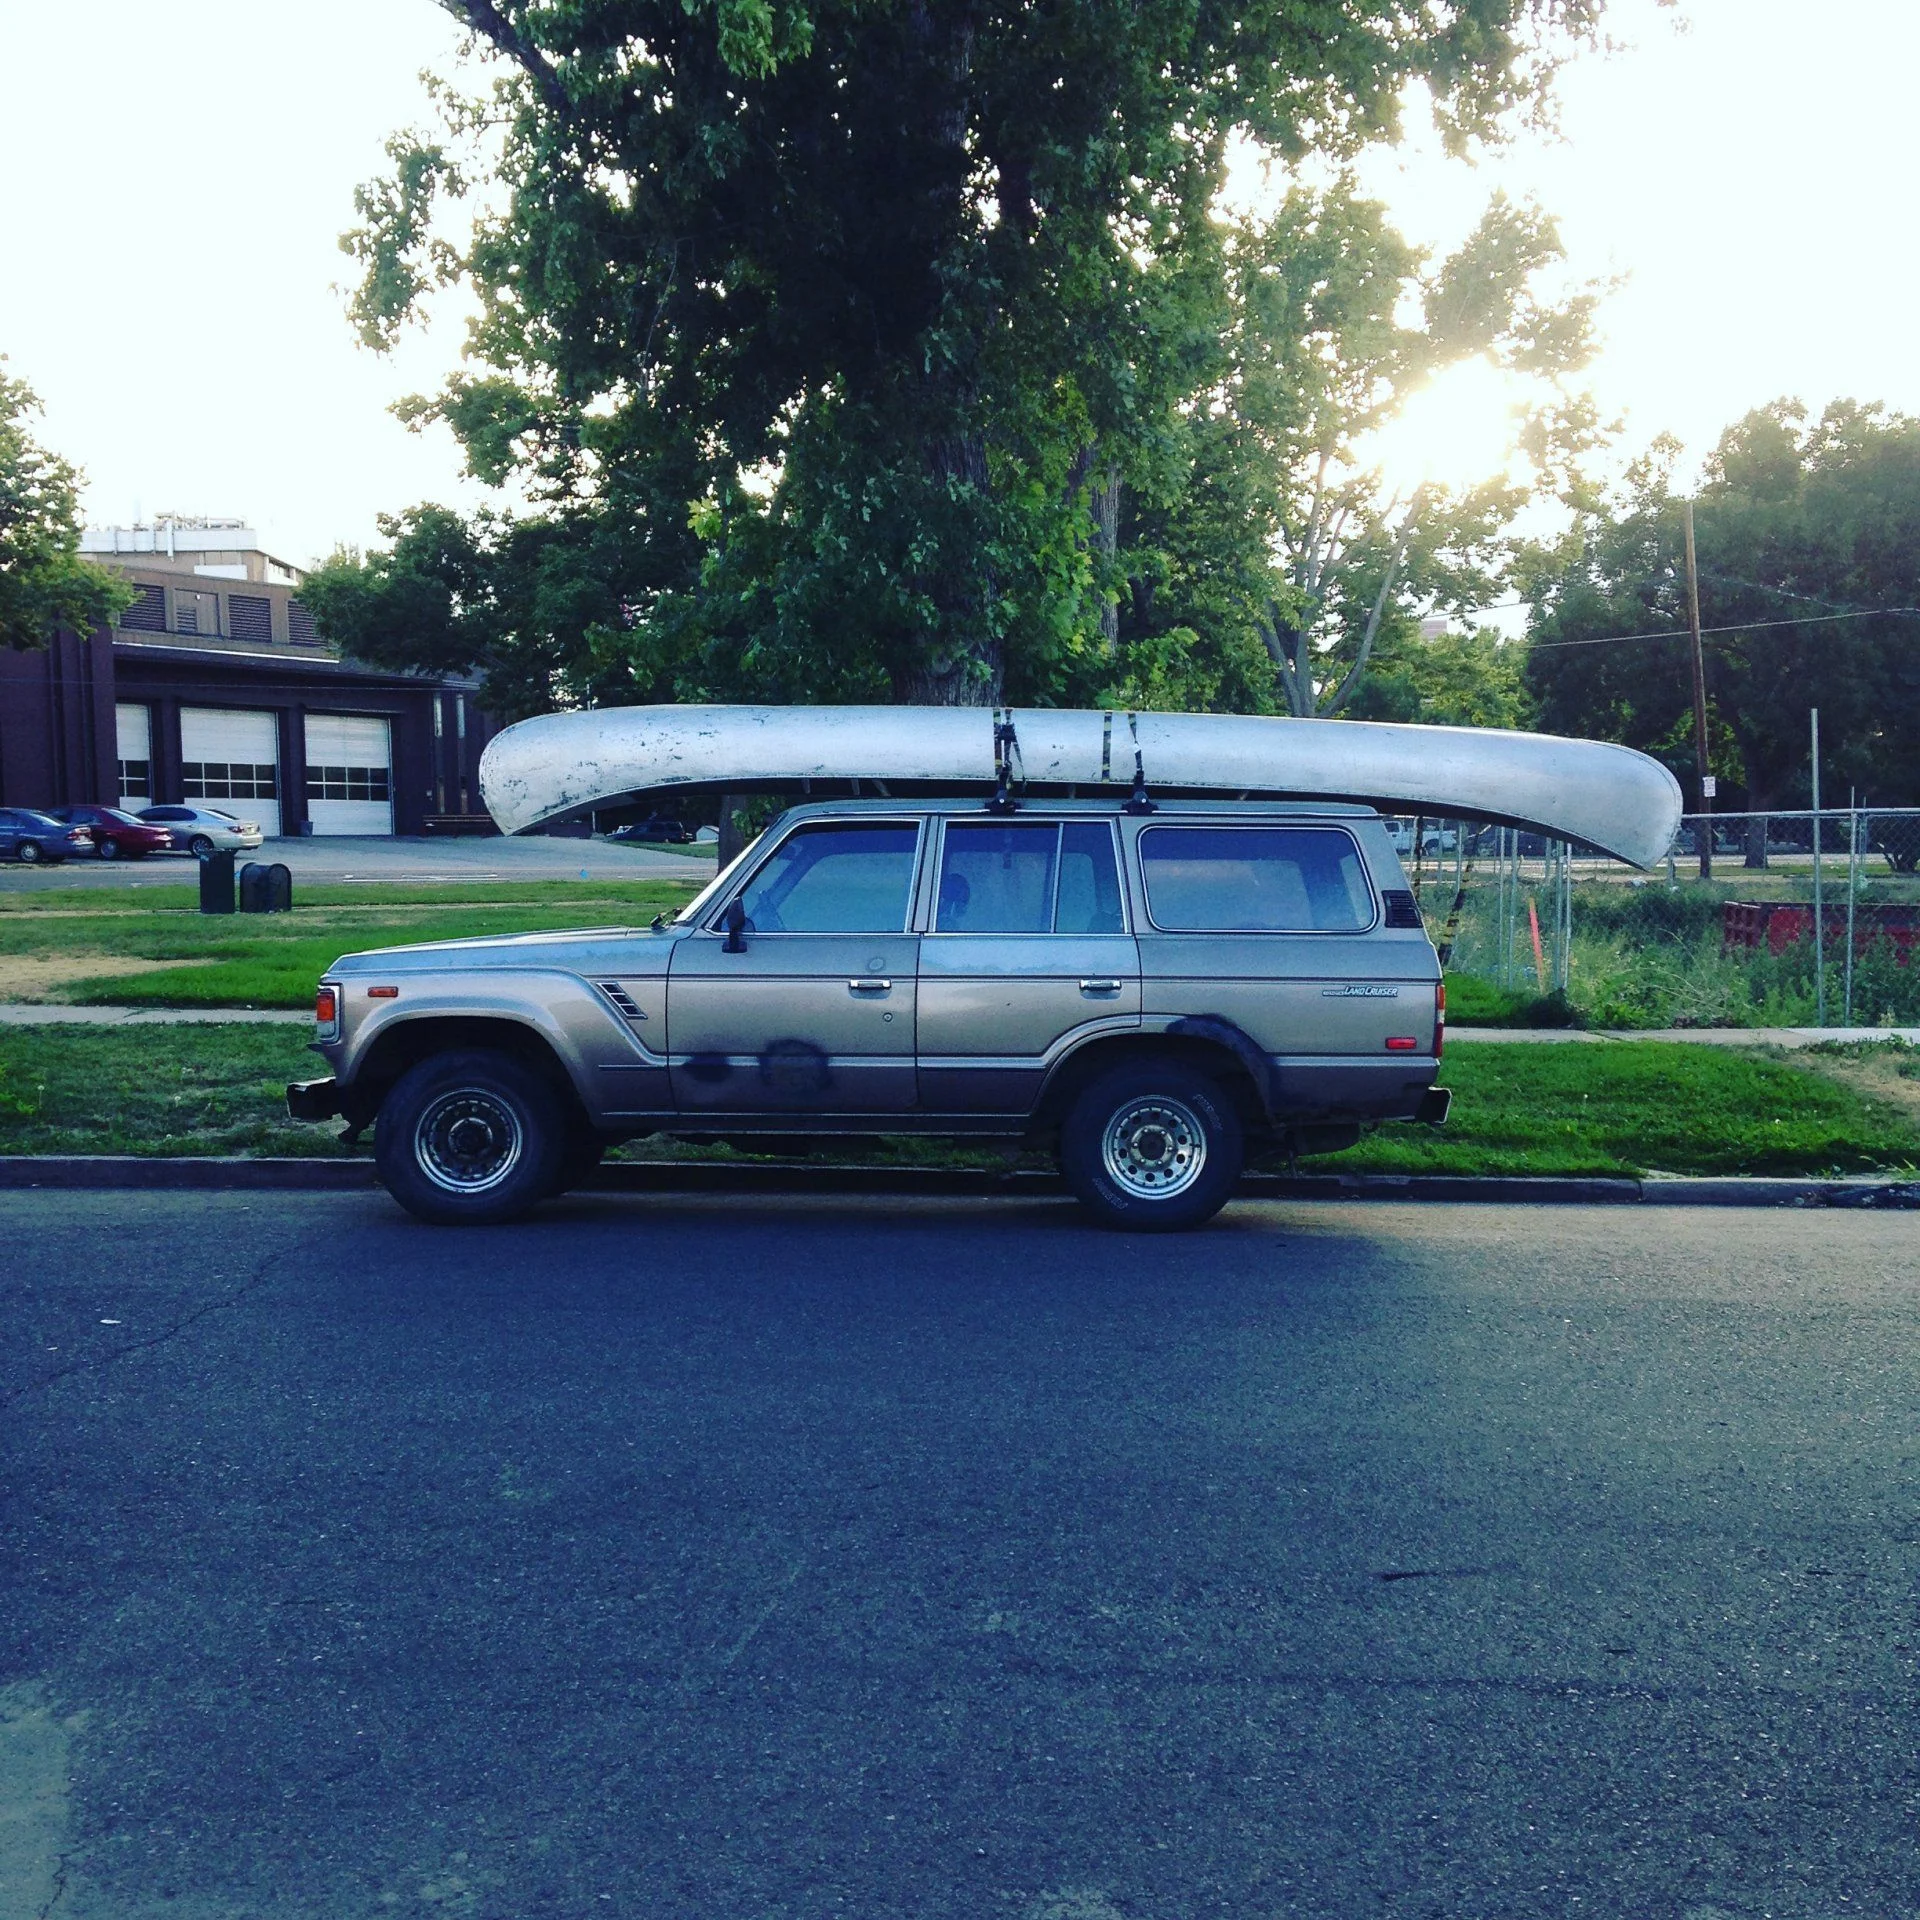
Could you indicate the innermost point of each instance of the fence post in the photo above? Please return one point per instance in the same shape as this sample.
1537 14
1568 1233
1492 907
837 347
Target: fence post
1819 916
1853 888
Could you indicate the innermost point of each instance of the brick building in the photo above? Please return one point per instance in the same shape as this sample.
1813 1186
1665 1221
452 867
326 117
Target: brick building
214 686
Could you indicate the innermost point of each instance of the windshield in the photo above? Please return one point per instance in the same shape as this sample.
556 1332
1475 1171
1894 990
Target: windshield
692 911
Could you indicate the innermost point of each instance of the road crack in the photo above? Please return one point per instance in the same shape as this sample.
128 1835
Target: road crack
98 1362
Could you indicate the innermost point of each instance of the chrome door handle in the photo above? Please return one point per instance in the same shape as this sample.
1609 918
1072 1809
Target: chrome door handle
869 986
1099 986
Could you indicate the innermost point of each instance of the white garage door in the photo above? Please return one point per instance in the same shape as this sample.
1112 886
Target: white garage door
134 725
349 774
230 759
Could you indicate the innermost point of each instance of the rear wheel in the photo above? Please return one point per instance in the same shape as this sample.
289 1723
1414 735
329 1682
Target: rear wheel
470 1139
1153 1146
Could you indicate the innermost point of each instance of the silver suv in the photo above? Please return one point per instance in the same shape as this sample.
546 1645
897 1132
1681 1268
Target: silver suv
1155 992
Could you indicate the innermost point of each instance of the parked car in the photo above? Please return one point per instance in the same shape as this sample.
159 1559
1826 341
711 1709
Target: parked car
1151 996
117 835
31 837
656 830
203 830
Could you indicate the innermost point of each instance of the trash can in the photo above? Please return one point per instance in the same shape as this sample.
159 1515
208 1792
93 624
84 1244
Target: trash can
265 889
216 883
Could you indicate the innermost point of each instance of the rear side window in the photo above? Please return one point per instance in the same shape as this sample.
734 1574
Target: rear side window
1028 876
835 879
1255 880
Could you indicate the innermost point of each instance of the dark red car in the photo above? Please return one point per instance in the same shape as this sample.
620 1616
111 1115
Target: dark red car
117 835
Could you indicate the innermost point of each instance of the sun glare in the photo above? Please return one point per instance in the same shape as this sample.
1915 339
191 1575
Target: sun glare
1457 431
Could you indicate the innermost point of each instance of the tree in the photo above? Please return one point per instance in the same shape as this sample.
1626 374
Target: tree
44 583
887 299
1808 540
1285 537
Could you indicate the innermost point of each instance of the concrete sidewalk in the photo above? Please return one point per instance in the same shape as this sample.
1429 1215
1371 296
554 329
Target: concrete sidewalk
33 1015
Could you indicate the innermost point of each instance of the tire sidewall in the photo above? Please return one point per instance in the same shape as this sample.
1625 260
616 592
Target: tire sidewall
1086 1123
109 849
199 846
28 853
536 1105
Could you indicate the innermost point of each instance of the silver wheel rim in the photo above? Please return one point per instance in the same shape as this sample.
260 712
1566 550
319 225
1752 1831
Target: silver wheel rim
29 853
1154 1147
468 1142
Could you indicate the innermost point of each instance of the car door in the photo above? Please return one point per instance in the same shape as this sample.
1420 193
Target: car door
1027 948
9 835
810 1010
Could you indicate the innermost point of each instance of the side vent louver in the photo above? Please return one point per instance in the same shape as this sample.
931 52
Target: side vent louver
1403 910
621 998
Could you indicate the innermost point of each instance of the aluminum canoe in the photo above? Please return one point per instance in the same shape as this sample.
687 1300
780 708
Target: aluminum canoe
562 765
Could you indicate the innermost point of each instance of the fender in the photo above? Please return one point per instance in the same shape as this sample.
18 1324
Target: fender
1223 1033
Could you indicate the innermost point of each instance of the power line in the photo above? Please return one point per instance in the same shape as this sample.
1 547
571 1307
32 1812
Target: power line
1737 626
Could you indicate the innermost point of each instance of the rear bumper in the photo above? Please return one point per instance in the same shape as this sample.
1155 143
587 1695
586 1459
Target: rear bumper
313 1099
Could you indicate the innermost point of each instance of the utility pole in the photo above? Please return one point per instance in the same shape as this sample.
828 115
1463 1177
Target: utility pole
1699 706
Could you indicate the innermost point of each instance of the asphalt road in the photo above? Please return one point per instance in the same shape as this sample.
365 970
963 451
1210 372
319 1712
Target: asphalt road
347 860
762 1559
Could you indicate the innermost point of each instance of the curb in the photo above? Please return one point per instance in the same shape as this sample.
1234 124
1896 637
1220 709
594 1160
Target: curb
132 1173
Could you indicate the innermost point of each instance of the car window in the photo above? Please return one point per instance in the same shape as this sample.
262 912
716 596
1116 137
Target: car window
1028 876
835 878
1255 880
166 813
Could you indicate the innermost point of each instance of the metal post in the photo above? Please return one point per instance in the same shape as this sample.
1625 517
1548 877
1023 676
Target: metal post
1853 887
1700 762
1819 921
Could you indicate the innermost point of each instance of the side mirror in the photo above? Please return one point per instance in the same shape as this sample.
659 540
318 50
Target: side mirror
736 926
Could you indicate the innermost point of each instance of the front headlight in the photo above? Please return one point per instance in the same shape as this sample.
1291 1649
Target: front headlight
326 1012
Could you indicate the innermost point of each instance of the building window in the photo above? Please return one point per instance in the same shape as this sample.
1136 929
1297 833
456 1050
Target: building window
347 783
148 614
300 625
250 617
136 779
223 780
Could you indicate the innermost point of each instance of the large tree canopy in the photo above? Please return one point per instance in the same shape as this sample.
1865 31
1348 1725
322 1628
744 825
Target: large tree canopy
856 320
1808 543
44 583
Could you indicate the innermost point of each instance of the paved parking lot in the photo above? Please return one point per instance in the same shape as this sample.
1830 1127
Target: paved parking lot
345 860
768 1558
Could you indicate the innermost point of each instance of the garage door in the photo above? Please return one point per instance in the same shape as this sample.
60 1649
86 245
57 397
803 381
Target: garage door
230 758
349 774
134 725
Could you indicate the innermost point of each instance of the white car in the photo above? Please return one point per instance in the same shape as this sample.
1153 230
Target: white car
203 830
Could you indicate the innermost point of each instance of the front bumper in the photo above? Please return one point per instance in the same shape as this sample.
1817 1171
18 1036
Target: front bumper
314 1099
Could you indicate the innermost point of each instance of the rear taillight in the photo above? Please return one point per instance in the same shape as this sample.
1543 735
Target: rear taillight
326 1012
1439 1017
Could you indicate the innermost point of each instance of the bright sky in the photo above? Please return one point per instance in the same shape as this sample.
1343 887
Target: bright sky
176 177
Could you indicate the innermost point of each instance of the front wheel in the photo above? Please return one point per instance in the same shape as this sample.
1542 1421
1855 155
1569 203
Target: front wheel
199 846
28 851
1152 1147
109 849
470 1139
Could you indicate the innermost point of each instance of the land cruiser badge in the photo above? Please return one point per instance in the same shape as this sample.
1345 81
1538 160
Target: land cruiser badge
1359 993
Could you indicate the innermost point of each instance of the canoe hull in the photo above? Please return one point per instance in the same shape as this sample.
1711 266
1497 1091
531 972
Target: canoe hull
564 764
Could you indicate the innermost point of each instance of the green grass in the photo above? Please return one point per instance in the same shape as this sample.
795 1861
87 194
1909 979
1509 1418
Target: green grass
1643 1106
1611 1109
273 960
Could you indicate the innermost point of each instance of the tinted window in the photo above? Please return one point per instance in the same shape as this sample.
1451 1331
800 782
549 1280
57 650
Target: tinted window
1255 880
834 879
1029 876
166 813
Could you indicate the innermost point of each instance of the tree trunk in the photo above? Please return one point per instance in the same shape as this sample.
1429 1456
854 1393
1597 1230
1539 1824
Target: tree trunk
1104 501
732 840
1757 792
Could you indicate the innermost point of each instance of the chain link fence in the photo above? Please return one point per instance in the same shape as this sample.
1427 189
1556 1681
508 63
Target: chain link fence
1535 931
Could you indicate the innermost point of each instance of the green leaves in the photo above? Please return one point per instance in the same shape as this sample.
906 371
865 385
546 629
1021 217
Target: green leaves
44 582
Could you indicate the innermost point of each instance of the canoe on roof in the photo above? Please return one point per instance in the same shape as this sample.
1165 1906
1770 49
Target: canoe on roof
561 765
